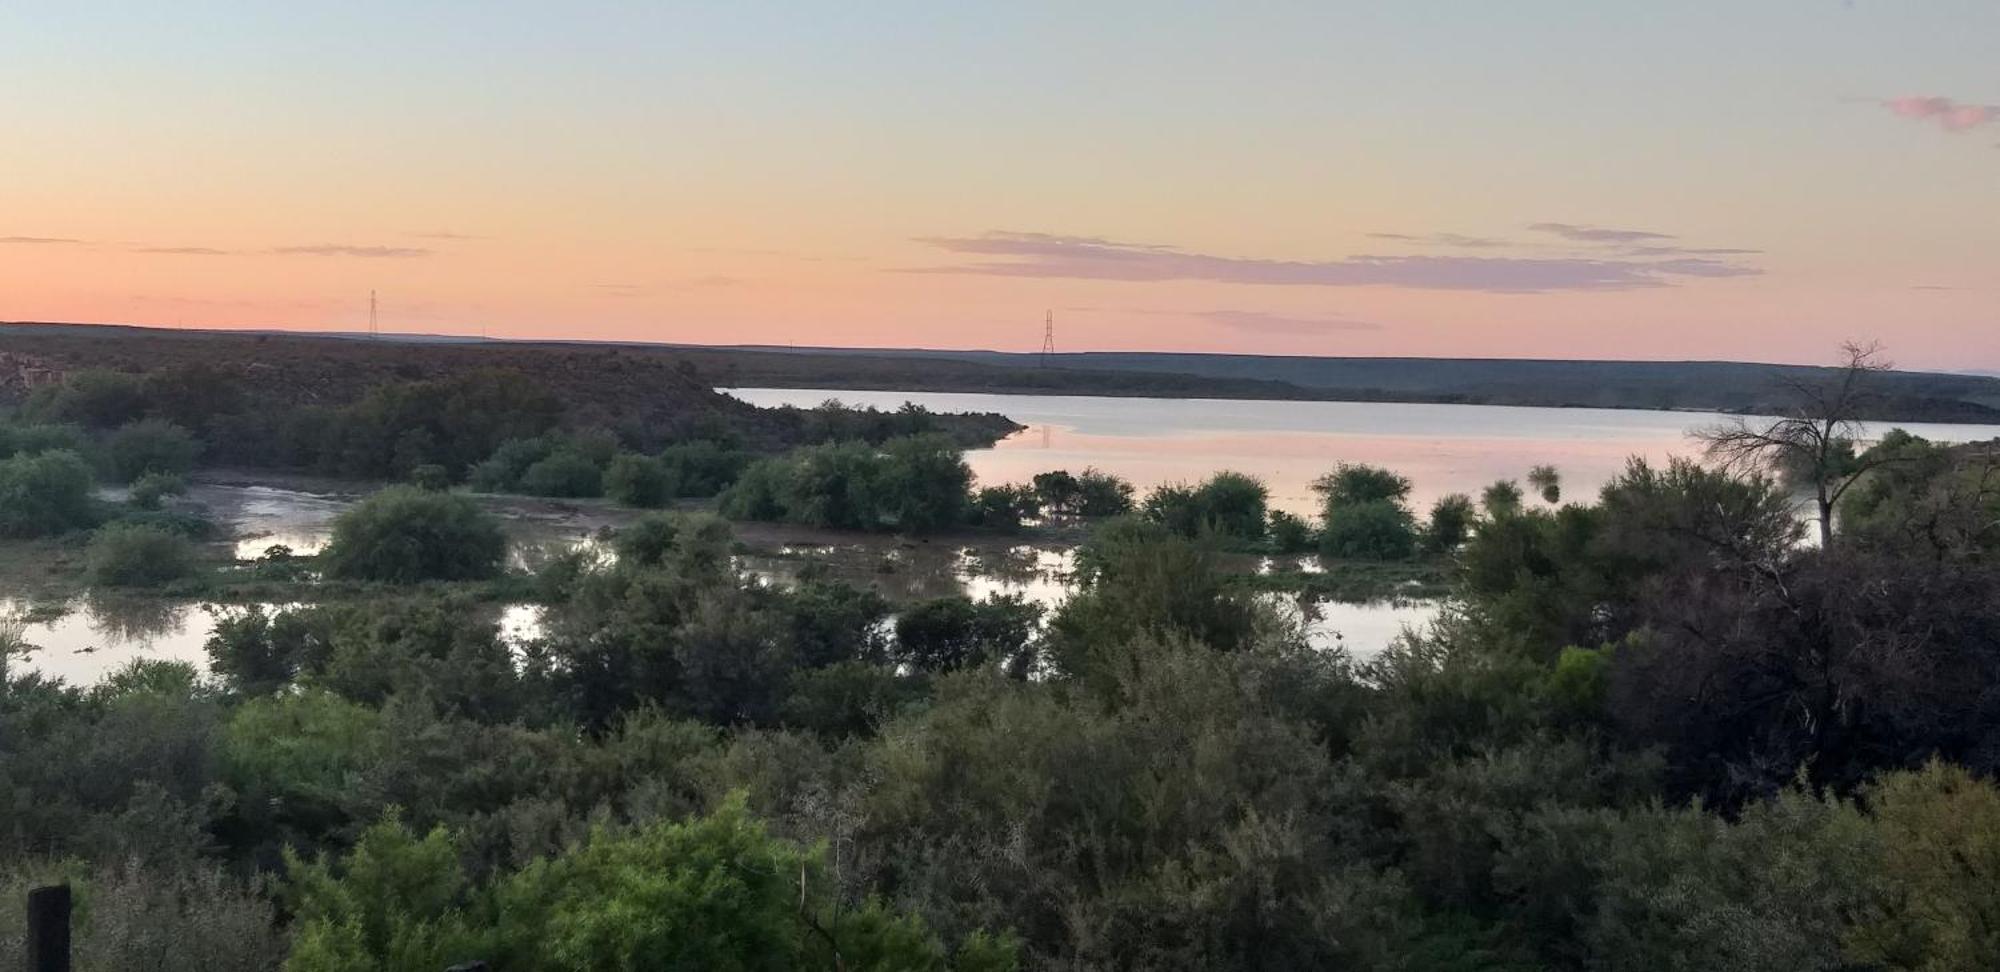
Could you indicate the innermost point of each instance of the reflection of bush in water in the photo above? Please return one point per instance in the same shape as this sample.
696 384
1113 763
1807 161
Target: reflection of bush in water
134 618
1019 565
12 641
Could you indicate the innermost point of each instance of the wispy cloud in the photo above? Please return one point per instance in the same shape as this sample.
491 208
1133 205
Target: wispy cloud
1264 323
446 235
1096 258
1655 251
345 250
1576 233
1952 116
1443 239
183 250
38 240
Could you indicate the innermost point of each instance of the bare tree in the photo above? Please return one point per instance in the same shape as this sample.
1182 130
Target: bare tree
1814 443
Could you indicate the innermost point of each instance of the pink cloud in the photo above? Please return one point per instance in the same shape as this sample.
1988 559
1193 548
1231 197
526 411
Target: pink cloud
1950 115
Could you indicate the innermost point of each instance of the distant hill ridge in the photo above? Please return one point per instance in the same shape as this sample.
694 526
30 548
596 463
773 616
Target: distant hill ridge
1725 386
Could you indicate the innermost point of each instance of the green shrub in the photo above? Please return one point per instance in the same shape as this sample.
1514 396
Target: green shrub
950 633
1229 504
501 472
1503 498
138 555
564 474
1289 534
1374 530
94 397
1353 483
150 491
403 535
44 493
916 484
715 892
31 438
639 481
1005 508
1102 494
833 485
430 477
148 446
758 494
649 540
704 468
1450 524
924 484
1091 493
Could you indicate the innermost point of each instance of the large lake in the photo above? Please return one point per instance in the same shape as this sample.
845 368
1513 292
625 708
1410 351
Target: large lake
1441 448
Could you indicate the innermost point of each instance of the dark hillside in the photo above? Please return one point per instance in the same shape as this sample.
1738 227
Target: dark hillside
652 395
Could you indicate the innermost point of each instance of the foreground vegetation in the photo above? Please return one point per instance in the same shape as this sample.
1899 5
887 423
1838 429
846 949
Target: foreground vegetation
1653 731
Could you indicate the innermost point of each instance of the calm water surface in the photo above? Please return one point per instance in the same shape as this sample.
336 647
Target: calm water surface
1441 448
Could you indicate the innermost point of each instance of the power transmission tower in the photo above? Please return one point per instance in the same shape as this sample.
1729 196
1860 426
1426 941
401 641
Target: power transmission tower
373 334
1048 337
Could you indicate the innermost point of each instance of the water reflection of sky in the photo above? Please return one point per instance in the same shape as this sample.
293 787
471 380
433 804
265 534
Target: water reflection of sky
1441 448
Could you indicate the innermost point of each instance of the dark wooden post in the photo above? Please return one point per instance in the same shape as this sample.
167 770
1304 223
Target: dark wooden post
48 929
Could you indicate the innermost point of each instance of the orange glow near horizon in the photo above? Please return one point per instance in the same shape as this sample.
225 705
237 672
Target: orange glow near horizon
1724 183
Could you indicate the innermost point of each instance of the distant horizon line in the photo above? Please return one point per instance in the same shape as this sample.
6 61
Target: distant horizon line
426 337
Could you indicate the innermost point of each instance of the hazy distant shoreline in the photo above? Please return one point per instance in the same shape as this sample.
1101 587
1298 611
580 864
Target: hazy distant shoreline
1675 386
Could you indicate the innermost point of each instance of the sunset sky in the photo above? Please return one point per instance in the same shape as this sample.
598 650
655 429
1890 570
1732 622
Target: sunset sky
1605 179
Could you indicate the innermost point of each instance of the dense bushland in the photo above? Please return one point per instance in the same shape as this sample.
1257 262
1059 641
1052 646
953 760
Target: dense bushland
1653 730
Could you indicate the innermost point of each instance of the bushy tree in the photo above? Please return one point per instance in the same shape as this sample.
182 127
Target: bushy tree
1091 493
1451 522
924 484
1134 579
1351 484
639 481
703 467
950 633
501 471
1926 500
94 397
403 535
759 493
1290 534
714 892
565 474
44 493
1005 508
148 446
1374 530
1058 490
18 438
916 484
1101 494
150 491
138 555
1364 514
1501 498
833 486
430 477
1229 504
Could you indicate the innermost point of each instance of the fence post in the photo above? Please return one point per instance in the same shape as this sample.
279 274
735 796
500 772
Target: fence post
48 929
